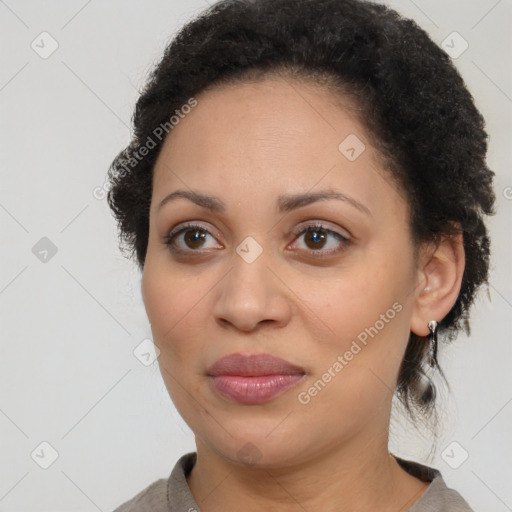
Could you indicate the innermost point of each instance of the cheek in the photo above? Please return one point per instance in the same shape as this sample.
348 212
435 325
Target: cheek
172 307
362 316
172 301
159 295
348 302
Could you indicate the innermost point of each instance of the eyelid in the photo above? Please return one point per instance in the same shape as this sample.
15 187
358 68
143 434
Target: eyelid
328 226
192 224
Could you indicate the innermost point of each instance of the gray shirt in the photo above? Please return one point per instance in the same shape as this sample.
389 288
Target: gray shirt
173 494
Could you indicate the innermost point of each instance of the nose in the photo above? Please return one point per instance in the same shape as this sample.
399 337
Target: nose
252 294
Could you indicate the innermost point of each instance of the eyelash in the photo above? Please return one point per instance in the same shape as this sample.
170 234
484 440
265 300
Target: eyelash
312 228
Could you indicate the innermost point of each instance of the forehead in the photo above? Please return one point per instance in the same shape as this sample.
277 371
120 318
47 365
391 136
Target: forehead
286 113
269 136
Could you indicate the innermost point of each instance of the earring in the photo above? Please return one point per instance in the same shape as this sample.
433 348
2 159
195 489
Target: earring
432 343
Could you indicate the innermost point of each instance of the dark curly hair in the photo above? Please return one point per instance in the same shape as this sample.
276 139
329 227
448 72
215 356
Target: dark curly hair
408 95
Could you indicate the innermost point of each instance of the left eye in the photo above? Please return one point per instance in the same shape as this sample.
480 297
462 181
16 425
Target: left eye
316 238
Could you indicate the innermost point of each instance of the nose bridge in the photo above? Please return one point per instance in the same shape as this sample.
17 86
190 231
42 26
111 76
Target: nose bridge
250 292
249 277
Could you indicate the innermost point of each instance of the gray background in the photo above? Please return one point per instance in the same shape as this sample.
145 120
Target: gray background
69 325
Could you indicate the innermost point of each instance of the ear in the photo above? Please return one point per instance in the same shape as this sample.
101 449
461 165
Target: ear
439 281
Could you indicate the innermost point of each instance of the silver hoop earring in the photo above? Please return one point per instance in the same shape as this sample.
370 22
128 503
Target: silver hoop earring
432 343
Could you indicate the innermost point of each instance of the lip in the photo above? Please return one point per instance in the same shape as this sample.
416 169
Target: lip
253 378
253 365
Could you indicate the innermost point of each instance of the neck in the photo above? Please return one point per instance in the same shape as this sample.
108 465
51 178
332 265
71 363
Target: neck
352 478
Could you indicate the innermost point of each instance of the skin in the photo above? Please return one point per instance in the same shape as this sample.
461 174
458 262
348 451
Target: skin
248 145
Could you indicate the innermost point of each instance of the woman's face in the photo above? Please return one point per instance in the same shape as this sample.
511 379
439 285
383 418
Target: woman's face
335 302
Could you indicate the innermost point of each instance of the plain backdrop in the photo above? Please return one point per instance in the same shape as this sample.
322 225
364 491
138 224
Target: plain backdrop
73 394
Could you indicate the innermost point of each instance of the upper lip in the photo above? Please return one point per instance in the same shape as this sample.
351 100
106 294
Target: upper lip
253 365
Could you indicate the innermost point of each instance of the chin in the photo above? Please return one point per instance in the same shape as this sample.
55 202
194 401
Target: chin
256 450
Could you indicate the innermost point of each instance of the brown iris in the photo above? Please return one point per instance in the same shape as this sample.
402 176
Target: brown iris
194 237
317 235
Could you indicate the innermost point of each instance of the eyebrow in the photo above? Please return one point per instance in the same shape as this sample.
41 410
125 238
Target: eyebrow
285 203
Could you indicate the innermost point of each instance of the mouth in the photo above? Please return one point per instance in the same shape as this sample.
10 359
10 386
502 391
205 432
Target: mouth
254 378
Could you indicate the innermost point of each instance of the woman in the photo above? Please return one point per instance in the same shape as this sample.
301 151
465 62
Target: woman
304 194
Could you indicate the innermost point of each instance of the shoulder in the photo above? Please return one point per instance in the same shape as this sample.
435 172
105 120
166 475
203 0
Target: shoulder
438 497
151 499
166 495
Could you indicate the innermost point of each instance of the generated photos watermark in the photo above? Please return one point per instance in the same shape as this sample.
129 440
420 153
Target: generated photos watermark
144 149
342 361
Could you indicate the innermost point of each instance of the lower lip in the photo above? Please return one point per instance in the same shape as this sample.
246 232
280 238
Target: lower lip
253 390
